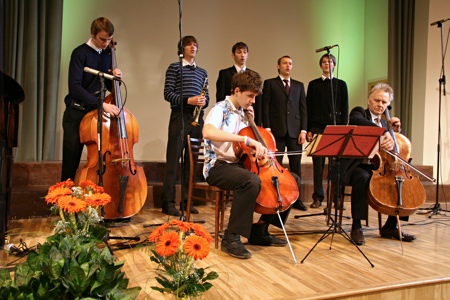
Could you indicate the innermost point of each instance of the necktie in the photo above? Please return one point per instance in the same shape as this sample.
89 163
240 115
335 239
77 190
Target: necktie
377 120
287 87
242 71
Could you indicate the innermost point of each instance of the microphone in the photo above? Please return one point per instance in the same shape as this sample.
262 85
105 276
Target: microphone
439 22
325 48
11 248
101 74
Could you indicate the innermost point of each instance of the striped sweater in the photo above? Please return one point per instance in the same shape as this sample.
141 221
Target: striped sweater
193 80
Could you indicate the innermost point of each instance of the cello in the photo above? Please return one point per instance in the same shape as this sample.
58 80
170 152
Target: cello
279 189
123 180
393 189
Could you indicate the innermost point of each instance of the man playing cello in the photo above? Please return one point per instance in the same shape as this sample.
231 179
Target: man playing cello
358 173
223 169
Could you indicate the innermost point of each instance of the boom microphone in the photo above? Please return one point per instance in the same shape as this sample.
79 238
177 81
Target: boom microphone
439 22
100 74
325 48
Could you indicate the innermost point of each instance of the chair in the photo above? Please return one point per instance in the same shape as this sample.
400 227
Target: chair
342 192
208 193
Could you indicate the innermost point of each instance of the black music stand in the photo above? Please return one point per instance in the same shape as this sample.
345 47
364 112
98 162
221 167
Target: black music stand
345 142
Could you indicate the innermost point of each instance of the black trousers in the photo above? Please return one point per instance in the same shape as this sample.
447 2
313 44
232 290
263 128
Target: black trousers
360 180
246 186
290 144
175 149
72 147
318 165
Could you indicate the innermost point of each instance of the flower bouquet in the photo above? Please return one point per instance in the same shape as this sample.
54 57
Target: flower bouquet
72 263
78 206
175 253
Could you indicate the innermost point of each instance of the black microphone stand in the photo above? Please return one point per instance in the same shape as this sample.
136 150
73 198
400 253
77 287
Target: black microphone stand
183 135
436 209
183 139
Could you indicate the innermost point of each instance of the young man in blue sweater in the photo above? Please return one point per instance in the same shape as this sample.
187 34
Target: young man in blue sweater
84 89
190 82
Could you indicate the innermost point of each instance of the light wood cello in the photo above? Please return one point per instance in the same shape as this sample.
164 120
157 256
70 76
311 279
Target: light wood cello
123 180
393 189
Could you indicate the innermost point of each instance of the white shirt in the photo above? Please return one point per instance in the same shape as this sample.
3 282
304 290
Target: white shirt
226 117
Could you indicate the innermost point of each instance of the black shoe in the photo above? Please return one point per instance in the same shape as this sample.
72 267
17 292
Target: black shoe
260 236
392 233
299 205
358 236
232 245
316 204
193 210
171 210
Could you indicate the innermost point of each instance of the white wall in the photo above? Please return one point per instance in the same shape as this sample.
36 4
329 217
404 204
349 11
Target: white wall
429 106
147 34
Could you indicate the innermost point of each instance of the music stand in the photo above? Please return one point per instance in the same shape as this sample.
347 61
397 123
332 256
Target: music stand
345 142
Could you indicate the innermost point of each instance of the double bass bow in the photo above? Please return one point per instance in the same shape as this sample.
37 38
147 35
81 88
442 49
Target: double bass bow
393 189
279 189
123 180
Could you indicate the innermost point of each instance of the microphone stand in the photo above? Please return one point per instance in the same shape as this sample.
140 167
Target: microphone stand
100 171
436 208
183 136
183 140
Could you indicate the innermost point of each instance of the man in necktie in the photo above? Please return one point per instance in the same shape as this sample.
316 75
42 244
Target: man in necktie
284 112
358 175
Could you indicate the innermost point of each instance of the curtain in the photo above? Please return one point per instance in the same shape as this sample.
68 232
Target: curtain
32 52
400 58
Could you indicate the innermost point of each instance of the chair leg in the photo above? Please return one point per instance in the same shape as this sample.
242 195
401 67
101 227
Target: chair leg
218 208
379 222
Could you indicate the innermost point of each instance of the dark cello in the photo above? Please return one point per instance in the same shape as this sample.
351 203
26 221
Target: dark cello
123 180
279 189
393 189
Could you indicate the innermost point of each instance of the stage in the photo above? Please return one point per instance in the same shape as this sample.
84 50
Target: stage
421 270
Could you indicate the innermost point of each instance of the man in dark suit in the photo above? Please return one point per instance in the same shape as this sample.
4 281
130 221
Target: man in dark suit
327 103
357 172
239 52
284 112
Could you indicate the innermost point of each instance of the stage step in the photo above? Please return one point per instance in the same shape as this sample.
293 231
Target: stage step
30 181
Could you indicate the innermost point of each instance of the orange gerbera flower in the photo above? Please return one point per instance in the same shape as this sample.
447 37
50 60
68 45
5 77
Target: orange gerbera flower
183 226
168 244
154 236
201 231
56 193
71 204
85 184
196 246
99 189
67 184
97 199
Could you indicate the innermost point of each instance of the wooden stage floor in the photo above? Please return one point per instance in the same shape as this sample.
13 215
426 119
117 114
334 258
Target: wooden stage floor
421 270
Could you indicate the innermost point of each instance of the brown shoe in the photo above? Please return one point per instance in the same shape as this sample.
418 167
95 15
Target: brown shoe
316 204
357 236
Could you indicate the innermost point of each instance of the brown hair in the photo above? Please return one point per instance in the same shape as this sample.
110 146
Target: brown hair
102 24
247 81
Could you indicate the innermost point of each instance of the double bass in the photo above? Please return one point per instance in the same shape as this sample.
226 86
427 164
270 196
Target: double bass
279 189
123 180
393 189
